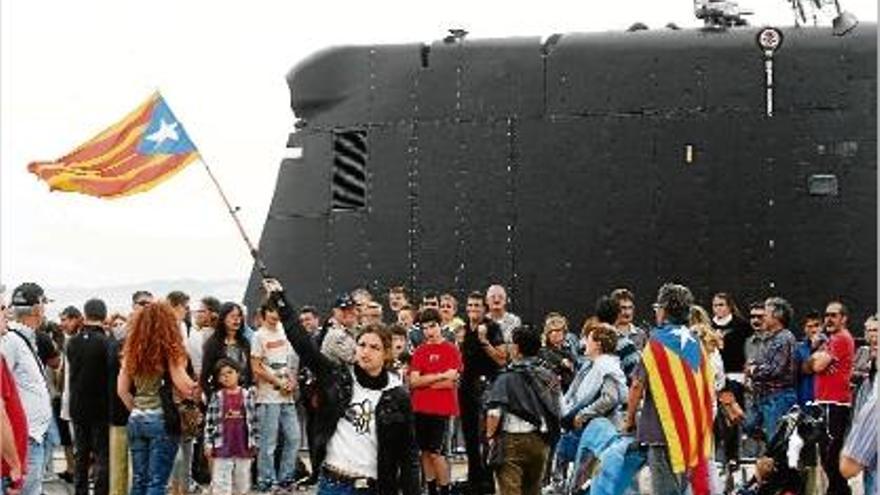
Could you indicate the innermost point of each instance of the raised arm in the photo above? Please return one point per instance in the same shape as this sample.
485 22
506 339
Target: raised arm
309 354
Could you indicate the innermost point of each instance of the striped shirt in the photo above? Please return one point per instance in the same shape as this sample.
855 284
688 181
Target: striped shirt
861 443
629 356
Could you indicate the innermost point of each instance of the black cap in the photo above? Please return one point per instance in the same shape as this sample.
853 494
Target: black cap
71 312
344 301
28 294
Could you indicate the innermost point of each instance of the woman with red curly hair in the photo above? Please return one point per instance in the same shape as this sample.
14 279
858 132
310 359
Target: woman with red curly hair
153 353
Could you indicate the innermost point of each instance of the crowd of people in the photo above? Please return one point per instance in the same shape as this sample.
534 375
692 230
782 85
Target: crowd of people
181 396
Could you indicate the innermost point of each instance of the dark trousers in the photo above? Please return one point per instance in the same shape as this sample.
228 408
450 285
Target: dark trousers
838 418
310 415
470 405
91 439
727 435
525 455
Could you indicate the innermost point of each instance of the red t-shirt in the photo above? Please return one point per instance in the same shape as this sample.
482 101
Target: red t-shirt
431 359
832 384
15 412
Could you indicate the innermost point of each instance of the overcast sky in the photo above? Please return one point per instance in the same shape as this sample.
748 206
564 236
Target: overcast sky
72 68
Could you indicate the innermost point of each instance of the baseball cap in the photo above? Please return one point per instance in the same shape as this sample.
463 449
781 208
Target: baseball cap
344 301
28 294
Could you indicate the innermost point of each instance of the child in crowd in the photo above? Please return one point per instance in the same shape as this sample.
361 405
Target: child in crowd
231 435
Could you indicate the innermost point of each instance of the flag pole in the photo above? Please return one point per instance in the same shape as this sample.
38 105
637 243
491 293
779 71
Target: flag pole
261 267
234 213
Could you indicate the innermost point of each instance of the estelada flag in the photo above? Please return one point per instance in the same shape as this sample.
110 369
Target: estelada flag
134 155
680 380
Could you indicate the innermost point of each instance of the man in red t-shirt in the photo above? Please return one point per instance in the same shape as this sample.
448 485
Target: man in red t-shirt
832 365
433 373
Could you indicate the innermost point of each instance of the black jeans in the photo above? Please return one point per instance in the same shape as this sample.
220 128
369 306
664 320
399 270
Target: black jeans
91 439
470 395
838 418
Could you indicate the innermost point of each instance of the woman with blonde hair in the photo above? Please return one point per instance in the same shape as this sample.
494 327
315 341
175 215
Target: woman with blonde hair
154 358
701 325
713 341
556 352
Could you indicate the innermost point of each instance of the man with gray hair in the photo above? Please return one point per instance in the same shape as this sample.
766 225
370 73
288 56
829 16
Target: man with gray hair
672 345
772 370
496 301
19 349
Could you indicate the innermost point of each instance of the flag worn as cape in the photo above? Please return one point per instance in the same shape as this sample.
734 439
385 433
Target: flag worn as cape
681 380
133 155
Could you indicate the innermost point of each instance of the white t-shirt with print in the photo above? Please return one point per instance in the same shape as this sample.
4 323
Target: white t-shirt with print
279 359
354 447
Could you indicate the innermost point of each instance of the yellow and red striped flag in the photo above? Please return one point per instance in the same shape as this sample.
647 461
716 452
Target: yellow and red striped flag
134 155
680 381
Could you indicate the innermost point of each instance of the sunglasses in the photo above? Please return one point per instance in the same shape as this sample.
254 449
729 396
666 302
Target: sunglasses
143 303
832 314
756 317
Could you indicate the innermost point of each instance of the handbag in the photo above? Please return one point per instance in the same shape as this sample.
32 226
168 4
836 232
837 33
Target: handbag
191 419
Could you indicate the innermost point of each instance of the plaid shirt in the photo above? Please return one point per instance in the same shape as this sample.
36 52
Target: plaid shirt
214 419
774 364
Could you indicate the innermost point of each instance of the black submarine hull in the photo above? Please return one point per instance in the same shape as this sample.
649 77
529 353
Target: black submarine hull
567 167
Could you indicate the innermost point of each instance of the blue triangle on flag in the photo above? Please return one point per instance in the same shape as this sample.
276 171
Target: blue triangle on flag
687 348
164 134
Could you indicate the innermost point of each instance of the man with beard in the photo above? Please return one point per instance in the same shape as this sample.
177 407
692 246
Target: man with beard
832 365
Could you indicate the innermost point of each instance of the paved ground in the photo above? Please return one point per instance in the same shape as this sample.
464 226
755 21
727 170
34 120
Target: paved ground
459 471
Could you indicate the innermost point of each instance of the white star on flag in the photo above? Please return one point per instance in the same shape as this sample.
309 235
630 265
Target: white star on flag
684 335
166 131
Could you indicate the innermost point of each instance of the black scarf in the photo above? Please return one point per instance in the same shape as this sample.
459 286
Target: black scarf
378 382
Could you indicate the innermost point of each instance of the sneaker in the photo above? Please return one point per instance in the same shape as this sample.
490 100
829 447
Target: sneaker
308 481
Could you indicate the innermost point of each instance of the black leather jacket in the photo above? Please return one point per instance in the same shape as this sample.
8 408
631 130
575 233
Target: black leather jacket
398 461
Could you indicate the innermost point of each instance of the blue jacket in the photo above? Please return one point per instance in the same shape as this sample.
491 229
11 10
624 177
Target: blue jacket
805 388
619 457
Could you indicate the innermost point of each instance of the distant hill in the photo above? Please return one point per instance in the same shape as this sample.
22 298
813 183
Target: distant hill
118 297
